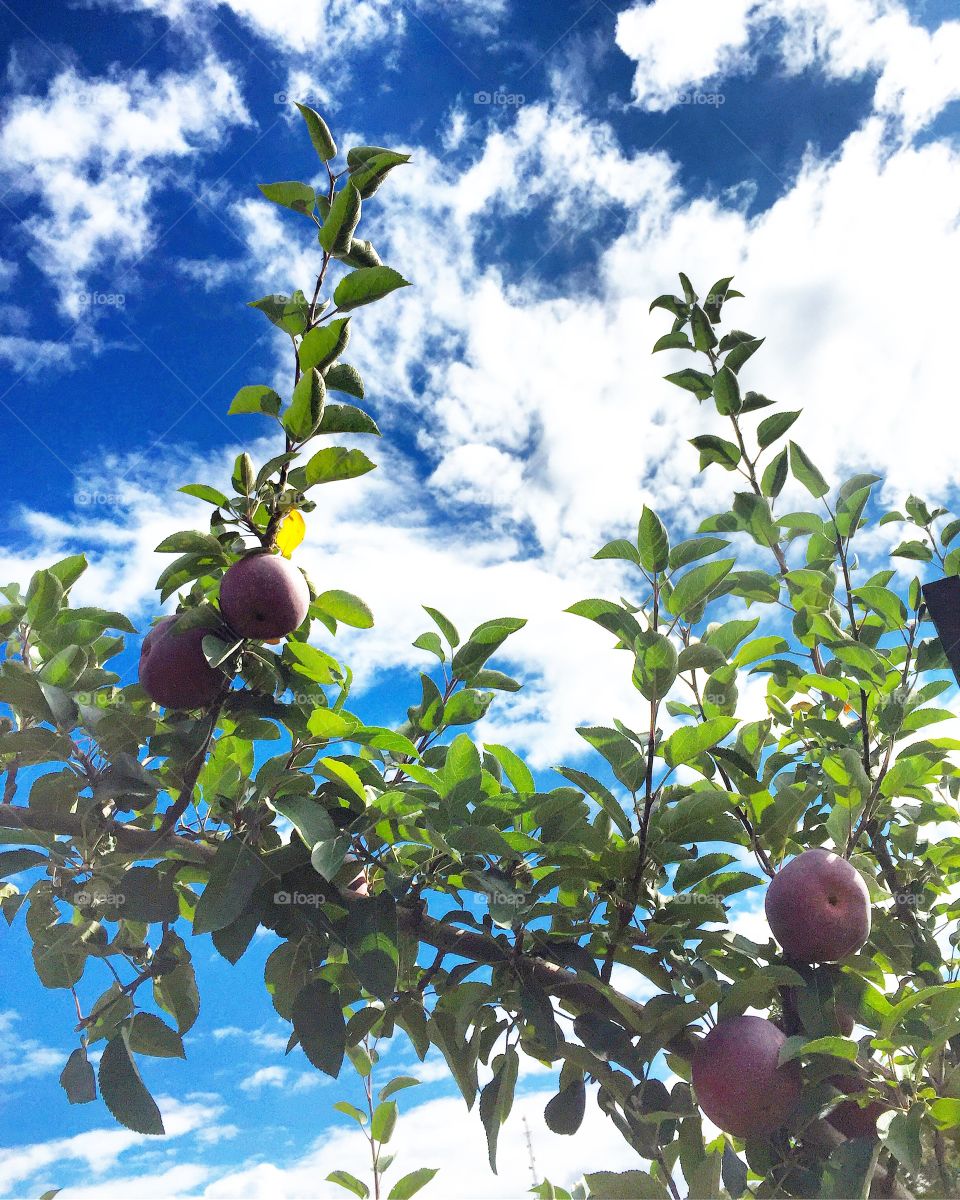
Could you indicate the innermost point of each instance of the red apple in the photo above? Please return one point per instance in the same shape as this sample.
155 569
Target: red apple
737 1080
173 669
264 596
849 1118
818 907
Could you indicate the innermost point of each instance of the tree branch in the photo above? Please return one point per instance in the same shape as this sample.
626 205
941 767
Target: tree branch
139 841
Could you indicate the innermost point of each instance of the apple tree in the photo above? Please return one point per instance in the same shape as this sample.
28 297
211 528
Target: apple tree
418 882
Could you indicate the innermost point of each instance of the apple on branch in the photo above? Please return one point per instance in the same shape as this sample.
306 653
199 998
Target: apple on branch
818 907
738 1082
264 596
174 671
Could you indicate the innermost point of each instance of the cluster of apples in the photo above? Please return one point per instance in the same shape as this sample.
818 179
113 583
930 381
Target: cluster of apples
262 596
818 909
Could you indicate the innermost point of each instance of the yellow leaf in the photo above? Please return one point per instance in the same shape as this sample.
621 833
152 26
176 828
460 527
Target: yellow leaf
290 532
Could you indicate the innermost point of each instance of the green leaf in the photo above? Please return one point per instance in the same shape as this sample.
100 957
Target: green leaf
43 597
672 304
384 1121
123 1090
320 135
850 1168
372 946
305 411
692 381
234 875
258 398
629 1185
734 1172
306 813
715 449
775 475
77 1078
918 551
514 767
176 990
673 341
366 286
349 1182
653 543
624 756
319 1025
691 741
466 706
603 796
345 418
703 336
692 549
289 313
772 428
345 607
694 588
149 1035
410 1184
68 570
496 1100
836 1047
361 253
485 640
341 377
398 1084
444 624
619 548
16 861
726 390
655 667
756 518
804 470
564 1112
336 232
946 1112
903 1138
299 197
371 165
335 464
203 492
191 541
745 349
323 345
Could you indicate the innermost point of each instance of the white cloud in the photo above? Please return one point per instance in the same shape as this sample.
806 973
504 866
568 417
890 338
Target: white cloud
100 1149
917 70
281 1077
93 153
460 1156
544 406
263 1039
23 1058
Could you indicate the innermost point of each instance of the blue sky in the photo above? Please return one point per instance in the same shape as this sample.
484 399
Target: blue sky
809 148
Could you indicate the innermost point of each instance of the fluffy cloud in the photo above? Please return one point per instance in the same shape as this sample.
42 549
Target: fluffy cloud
460 1157
917 71
93 153
23 1058
99 1150
543 422
318 42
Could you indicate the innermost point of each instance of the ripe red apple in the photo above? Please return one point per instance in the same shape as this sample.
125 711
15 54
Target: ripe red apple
264 596
173 669
849 1118
738 1083
818 907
